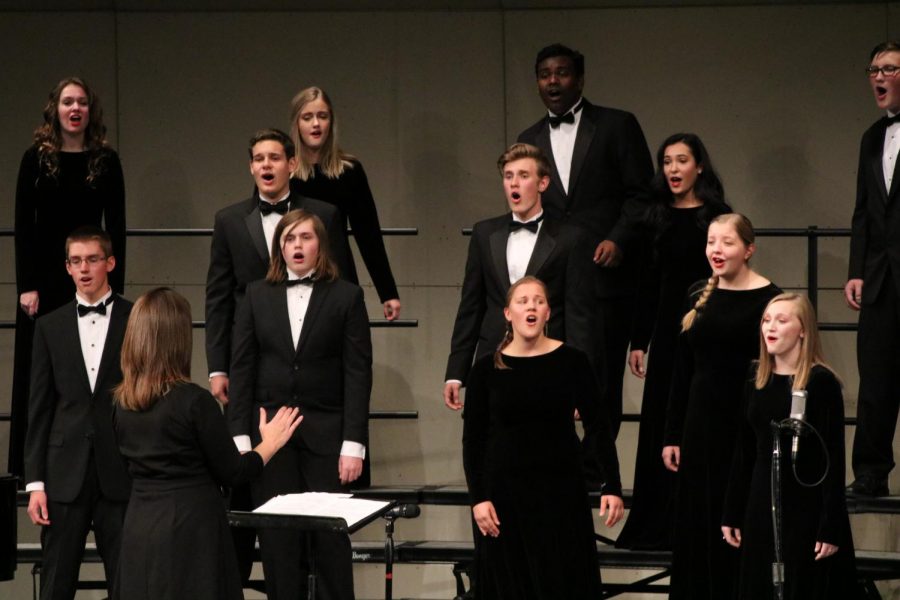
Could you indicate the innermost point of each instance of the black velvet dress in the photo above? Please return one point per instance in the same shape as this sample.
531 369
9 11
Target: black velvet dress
175 540
47 210
521 452
351 194
712 364
680 260
809 514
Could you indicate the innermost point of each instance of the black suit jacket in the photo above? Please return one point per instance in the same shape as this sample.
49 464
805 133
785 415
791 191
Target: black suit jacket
329 375
239 255
875 237
611 167
561 259
65 419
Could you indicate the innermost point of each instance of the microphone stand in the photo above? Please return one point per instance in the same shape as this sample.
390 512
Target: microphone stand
778 565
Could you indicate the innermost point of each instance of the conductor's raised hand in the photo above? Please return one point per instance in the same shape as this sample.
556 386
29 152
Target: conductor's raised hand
613 507
282 426
486 518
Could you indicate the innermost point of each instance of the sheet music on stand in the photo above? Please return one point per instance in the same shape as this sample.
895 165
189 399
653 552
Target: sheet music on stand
321 504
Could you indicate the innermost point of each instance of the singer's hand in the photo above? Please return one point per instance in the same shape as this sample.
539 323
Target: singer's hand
853 293
613 508
824 550
486 518
732 535
671 456
636 363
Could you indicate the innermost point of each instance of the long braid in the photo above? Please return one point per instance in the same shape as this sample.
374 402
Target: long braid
507 340
688 321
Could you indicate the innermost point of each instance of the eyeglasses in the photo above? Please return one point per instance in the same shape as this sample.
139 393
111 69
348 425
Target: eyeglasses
77 261
886 70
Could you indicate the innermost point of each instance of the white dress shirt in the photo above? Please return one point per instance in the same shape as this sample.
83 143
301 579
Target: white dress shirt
519 247
562 142
889 156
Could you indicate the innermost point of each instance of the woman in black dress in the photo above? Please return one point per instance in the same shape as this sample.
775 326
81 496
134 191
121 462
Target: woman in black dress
68 178
175 540
816 540
687 195
719 339
523 460
327 173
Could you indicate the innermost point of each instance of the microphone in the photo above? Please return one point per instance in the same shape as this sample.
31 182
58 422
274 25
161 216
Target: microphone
798 413
404 511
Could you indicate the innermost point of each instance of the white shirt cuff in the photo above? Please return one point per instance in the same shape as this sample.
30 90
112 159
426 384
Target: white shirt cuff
453 381
218 374
354 449
35 486
243 443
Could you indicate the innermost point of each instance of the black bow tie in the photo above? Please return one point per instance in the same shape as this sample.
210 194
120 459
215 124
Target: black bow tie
100 309
267 208
569 117
292 282
531 226
892 120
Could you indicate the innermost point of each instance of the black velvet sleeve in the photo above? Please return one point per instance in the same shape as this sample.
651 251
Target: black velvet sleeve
825 408
742 462
599 444
25 227
476 429
229 467
363 217
114 215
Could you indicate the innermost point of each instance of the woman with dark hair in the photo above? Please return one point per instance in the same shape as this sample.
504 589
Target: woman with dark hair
68 178
719 340
817 545
523 460
175 540
686 196
327 173
301 338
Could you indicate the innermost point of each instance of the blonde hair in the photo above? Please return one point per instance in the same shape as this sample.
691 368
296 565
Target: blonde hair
325 269
744 228
810 343
508 336
520 151
156 351
332 160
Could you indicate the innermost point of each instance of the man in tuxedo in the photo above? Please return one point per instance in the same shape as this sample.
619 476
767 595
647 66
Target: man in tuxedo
241 244
302 339
600 166
504 249
74 472
873 286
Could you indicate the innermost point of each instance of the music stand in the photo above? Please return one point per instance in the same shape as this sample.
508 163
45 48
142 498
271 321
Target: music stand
307 523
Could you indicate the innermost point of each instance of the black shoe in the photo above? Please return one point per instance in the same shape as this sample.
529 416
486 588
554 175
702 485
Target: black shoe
868 486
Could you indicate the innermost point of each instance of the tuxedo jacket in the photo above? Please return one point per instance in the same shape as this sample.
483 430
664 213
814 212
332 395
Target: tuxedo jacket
611 167
875 230
561 259
328 375
66 421
239 255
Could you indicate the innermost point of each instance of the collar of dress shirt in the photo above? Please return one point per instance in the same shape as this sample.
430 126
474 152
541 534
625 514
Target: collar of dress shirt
578 102
515 217
264 199
292 276
102 300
